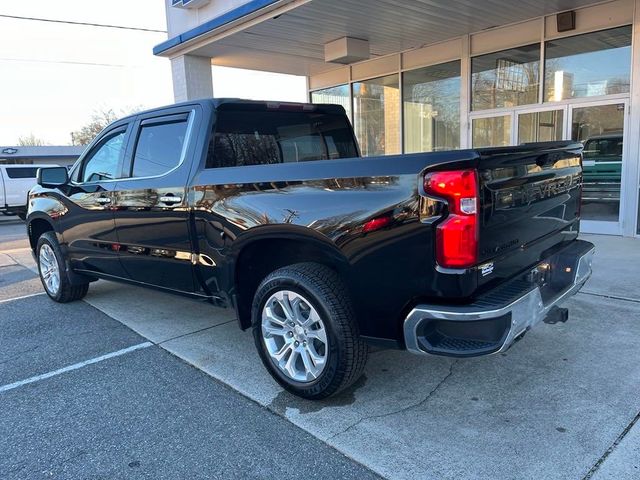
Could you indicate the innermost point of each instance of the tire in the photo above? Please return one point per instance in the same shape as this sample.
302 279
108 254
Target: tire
319 309
51 262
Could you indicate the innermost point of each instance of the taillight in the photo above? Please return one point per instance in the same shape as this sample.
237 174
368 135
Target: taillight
457 235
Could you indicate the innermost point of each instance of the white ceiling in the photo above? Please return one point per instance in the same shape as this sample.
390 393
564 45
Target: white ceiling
294 42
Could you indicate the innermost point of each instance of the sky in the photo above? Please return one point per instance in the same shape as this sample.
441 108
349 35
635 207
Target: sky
53 76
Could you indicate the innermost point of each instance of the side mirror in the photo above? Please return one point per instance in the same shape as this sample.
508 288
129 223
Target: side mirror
51 177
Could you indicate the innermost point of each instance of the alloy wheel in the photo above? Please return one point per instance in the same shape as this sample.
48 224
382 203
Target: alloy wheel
295 336
49 270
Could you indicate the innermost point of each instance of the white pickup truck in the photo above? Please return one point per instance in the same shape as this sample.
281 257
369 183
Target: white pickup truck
15 182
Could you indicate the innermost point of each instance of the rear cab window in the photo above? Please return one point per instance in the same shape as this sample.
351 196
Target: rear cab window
265 137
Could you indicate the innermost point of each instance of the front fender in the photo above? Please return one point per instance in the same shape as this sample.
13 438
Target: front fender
43 204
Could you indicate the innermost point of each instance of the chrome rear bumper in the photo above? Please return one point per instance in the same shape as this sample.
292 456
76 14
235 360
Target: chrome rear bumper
488 326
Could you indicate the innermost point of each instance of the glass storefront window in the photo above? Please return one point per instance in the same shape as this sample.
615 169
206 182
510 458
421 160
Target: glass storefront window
376 105
339 95
540 126
588 65
505 79
431 97
491 131
601 129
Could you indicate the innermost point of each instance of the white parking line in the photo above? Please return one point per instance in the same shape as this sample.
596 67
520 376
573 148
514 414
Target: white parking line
75 366
22 297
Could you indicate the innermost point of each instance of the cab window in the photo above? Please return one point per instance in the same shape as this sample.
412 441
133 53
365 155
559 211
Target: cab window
159 148
103 162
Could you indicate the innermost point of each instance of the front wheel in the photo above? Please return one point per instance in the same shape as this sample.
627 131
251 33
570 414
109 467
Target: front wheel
53 275
306 332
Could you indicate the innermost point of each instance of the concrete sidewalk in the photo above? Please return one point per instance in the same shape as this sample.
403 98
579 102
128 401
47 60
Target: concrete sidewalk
562 403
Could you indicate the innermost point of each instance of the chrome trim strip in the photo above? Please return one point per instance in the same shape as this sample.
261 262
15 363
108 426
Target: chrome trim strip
183 154
526 311
185 145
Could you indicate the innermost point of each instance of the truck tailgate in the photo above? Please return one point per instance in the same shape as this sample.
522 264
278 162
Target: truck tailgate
529 206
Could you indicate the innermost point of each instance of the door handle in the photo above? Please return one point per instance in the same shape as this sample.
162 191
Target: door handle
103 200
169 199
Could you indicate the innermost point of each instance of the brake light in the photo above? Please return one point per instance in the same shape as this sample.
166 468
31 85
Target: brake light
457 235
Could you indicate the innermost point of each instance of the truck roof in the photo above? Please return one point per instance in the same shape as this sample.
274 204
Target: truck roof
253 105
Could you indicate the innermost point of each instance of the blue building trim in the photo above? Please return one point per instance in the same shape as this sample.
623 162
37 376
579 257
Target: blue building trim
232 15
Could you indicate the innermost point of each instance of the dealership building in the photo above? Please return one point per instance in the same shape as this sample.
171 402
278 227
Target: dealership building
430 75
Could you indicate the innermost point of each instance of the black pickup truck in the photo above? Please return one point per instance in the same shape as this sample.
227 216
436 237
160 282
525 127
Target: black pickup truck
268 208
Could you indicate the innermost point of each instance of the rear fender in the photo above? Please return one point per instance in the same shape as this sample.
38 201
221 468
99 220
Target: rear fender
282 245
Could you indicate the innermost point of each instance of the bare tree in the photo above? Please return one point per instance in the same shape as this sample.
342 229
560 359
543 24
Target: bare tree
30 141
98 121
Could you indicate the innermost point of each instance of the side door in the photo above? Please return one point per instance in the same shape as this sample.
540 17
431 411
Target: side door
151 207
88 227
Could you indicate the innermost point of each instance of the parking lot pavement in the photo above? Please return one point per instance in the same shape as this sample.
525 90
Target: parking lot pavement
84 396
562 403
147 414
37 335
17 280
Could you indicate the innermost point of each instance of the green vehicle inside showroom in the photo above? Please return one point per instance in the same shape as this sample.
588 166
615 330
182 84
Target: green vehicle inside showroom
602 165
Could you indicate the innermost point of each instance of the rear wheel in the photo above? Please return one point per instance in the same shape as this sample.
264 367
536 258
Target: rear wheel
305 331
53 274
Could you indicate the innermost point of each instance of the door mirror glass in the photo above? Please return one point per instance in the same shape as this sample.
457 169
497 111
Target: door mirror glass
52 177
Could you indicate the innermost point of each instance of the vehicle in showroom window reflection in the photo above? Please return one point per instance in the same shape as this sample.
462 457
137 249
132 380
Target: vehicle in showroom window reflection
603 167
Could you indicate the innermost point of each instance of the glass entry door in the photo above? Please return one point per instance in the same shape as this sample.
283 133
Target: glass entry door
516 127
600 127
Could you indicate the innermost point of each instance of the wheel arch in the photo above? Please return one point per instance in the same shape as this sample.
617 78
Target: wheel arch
36 226
256 256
